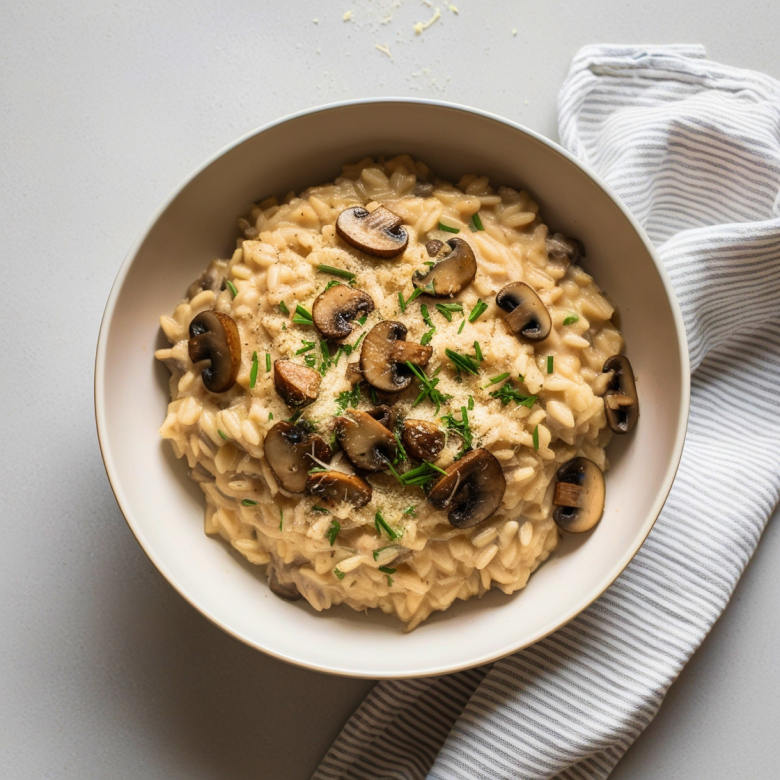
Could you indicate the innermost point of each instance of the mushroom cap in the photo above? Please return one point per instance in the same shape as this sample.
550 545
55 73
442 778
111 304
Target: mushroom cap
433 247
368 444
562 248
353 373
291 451
423 440
213 278
214 336
450 275
284 590
579 495
378 233
383 414
335 486
528 316
384 354
621 402
297 385
334 310
472 489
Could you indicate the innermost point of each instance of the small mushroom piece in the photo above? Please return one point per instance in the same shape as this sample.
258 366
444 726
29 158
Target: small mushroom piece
561 248
214 336
384 415
353 373
472 489
284 590
297 385
384 354
433 247
291 451
579 495
528 316
368 444
334 310
423 440
213 278
621 402
450 275
378 233
335 486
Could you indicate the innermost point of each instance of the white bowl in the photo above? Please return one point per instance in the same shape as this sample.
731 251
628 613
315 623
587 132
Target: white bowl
165 510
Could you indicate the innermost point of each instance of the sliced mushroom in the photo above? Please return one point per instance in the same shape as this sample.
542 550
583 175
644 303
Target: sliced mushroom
621 402
284 590
423 440
334 310
579 495
384 415
562 248
368 444
378 233
433 247
214 336
472 489
354 374
528 316
213 278
450 275
335 486
384 355
296 384
291 450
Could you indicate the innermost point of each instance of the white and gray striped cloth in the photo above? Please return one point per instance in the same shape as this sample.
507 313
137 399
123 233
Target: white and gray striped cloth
693 148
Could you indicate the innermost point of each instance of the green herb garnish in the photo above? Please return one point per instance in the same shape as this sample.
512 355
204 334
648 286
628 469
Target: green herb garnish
480 307
362 320
471 402
270 415
347 399
222 435
549 364
333 531
426 315
302 317
535 437
427 336
448 229
375 553
231 287
428 388
496 379
476 219
253 371
447 309
281 518
388 571
571 319
297 416
267 362
461 427
478 351
318 508
331 283
417 292
329 269
506 393
381 525
283 307
460 329
463 362
409 511
401 456
248 502
340 574
307 346
421 476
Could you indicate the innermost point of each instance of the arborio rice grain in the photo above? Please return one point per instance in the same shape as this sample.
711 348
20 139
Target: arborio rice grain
273 269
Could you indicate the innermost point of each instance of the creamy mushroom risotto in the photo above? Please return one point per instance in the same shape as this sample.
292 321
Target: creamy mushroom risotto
397 390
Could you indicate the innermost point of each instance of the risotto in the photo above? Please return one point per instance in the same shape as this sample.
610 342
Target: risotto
397 392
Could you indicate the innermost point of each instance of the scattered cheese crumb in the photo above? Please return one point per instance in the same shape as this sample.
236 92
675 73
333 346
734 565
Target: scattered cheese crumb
454 9
316 21
347 16
420 26
514 32
387 19
384 49
526 102
428 3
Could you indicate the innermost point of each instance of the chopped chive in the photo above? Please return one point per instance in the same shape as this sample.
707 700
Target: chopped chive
535 437
310 360
419 477
231 287
318 508
448 229
460 329
428 388
402 456
297 416
427 336
375 553
409 511
281 518
478 351
253 371
416 293
426 315
307 345
222 435
471 402
434 466
506 393
401 302
362 320
571 319
387 570
374 399
283 307
447 309
340 574
475 218
248 502
331 283
496 379
462 428
329 269
381 524
302 317
521 377
549 364
389 580
444 313
270 415
463 362
480 307
316 469
267 362
333 531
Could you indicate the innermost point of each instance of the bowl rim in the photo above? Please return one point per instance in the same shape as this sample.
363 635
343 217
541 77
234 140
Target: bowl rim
609 577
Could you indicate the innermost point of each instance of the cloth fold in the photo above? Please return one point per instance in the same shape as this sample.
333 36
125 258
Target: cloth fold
693 148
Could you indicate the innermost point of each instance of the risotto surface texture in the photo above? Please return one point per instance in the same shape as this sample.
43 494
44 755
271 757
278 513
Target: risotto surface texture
397 552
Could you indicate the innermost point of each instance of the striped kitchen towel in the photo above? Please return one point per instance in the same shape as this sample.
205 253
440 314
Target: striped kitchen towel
693 148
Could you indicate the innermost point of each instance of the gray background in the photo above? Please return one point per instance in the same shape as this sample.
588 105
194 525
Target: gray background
104 108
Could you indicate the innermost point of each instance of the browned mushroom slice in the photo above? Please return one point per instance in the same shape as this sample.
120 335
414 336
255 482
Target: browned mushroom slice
378 233
368 444
450 275
213 278
214 337
335 486
433 247
334 310
528 316
423 440
291 451
471 490
284 590
384 415
354 374
384 355
561 248
296 384
621 402
579 495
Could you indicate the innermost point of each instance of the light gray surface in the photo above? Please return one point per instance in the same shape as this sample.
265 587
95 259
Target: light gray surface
104 108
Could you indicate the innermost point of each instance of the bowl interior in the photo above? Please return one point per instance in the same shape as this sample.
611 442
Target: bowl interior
165 510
